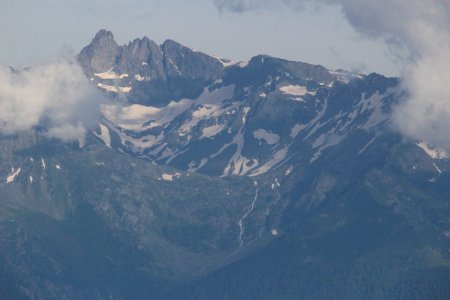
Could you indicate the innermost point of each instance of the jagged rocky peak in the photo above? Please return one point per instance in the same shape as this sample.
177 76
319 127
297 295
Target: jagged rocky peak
155 75
170 60
141 56
100 55
182 61
148 73
272 65
104 36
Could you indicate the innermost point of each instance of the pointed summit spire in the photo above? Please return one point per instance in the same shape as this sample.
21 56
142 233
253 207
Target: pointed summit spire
104 36
101 54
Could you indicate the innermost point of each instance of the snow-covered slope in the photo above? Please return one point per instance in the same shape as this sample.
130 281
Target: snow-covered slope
240 128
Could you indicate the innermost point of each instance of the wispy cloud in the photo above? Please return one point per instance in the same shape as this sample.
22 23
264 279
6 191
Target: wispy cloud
240 6
54 96
418 33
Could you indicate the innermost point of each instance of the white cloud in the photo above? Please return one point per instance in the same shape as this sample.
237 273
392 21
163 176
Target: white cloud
68 132
240 5
54 96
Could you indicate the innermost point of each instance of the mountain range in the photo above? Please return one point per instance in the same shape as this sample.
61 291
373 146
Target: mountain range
207 178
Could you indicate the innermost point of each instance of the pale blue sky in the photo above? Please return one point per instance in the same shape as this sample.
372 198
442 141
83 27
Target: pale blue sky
37 31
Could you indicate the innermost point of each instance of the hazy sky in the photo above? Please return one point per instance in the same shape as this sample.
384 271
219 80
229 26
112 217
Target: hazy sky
352 34
37 31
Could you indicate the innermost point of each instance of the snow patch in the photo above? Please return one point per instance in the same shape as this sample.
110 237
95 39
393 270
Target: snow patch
192 165
203 112
289 171
170 177
345 76
238 164
13 175
211 131
138 117
114 89
278 157
81 141
277 183
315 123
299 99
296 130
104 135
226 62
367 145
268 137
138 77
437 168
296 90
175 66
374 105
323 142
110 75
432 152
193 168
243 64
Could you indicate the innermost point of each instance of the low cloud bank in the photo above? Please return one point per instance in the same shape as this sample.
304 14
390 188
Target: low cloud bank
56 97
